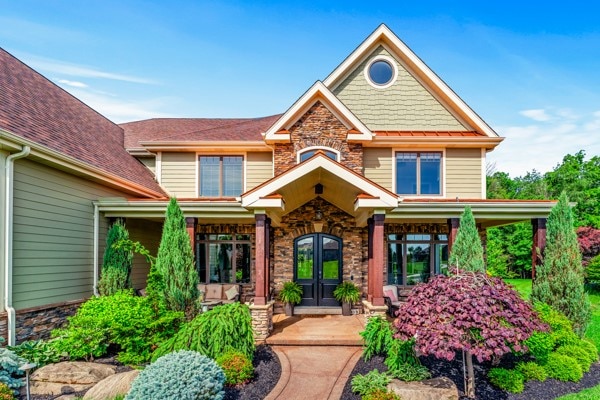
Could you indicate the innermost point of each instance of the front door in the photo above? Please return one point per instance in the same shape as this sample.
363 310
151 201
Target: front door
318 268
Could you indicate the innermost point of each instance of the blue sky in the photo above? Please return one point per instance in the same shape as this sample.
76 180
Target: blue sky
530 70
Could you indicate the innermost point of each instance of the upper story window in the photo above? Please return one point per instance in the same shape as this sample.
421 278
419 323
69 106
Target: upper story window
419 173
381 72
221 176
309 152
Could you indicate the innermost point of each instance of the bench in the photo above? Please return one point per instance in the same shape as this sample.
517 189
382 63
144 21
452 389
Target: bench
223 292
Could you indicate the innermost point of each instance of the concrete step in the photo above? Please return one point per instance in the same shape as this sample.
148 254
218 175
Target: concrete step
300 310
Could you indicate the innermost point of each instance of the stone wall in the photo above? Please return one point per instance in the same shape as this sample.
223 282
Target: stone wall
262 321
38 322
318 127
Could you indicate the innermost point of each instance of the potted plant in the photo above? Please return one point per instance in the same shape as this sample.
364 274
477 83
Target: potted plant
347 293
290 294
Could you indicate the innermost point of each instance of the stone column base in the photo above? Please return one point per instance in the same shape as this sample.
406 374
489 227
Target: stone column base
262 320
371 310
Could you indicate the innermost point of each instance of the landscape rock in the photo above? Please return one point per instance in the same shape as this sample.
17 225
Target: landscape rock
68 377
112 386
430 389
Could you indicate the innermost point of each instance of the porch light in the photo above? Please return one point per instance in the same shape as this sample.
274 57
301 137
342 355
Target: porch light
27 367
318 223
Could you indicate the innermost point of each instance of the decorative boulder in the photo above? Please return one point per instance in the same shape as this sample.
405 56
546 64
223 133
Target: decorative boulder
68 377
430 389
112 386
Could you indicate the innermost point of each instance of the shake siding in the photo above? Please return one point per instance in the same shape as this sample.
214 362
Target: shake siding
179 174
463 173
259 168
406 105
148 233
378 166
149 162
53 235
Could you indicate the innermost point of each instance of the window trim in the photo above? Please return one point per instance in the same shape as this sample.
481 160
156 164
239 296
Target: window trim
382 57
220 155
419 151
234 242
311 148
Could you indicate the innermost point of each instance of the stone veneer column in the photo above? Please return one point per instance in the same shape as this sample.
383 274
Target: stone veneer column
260 262
539 243
262 320
453 225
377 245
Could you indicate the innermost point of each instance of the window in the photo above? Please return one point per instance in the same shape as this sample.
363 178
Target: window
381 72
414 258
220 176
308 153
418 173
223 258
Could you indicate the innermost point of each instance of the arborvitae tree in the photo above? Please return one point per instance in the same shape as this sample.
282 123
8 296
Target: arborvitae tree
467 252
175 264
117 262
559 280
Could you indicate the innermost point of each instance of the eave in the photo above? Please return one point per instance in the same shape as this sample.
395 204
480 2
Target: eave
206 146
431 141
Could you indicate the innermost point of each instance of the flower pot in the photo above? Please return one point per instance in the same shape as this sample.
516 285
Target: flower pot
289 309
346 309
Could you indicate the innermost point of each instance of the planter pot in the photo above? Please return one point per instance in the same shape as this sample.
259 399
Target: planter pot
346 309
289 309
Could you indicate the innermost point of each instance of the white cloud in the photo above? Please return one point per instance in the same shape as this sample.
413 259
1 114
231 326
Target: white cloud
72 83
536 115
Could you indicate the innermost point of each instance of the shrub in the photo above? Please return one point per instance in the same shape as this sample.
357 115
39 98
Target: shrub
592 271
377 337
9 368
563 368
291 293
381 395
212 333
122 319
590 348
532 371
117 262
540 345
402 362
509 380
175 263
584 359
236 366
561 328
369 383
177 376
467 252
39 352
5 392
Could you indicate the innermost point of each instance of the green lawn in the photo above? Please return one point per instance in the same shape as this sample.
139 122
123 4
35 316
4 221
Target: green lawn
523 286
586 394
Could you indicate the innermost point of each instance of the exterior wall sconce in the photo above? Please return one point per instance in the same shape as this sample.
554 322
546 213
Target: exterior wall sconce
318 222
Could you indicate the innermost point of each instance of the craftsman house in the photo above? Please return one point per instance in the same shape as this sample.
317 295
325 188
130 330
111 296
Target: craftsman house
363 178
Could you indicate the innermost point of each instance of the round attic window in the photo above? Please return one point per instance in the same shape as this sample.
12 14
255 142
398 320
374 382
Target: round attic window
381 72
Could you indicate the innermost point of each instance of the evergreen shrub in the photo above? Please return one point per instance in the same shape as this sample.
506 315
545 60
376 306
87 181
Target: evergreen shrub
540 345
584 359
467 251
509 380
377 337
563 368
237 367
10 374
117 262
532 371
179 376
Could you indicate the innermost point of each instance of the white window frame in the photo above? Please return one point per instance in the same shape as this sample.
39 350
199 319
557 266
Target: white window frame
311 148
382 57
442 172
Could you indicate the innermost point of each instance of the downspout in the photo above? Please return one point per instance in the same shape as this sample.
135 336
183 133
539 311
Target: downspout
8 241
96 235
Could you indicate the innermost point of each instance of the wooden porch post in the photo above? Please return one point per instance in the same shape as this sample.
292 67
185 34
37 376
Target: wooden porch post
190 226
268 259
370 260
377 269
260 297
453 225
539 243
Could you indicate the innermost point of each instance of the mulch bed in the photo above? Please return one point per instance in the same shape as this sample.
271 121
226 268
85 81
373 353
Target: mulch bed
484 390
267 371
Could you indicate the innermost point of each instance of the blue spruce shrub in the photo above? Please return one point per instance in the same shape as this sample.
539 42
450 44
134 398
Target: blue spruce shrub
181 375
9 368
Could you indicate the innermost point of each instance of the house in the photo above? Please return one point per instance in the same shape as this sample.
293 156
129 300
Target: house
363 178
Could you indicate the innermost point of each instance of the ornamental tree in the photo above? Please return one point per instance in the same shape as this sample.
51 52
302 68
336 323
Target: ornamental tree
117 262
469 312
467 252
559 280
175 264
589 242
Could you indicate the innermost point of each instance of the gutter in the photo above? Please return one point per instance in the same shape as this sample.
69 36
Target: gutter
95 252
8 241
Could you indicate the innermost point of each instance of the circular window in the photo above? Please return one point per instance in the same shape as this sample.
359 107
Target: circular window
381 72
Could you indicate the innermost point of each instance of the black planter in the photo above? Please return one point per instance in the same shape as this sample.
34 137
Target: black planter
289 309
346 309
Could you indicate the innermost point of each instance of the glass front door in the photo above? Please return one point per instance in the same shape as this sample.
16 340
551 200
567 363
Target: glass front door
318 268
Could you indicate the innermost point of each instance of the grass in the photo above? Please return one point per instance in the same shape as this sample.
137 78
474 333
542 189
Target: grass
523 286
586 394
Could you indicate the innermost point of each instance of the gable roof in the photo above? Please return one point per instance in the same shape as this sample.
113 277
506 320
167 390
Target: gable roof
416 66
35 109
195 129
317 92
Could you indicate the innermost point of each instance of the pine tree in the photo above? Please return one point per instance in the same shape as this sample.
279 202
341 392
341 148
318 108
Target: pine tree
117 262
559 280
467 252
175 264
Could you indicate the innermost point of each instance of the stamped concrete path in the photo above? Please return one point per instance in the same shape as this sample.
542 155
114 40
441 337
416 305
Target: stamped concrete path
317 355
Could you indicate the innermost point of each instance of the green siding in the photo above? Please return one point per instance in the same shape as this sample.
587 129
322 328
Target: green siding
406 105
3 155
463 173
53 235
148 233
378 166
179 174
259 168
149 162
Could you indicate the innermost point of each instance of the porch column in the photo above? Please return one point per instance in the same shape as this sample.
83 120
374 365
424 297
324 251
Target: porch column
377 276
370 260
453 225
539 243
190 226
260 275
268 259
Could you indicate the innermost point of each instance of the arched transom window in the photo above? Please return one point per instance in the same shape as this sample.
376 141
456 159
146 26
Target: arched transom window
307 153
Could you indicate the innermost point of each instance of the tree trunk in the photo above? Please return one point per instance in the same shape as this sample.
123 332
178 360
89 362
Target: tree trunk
470 388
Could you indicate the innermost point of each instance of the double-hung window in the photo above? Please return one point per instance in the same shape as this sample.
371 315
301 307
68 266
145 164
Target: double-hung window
419 173
221 176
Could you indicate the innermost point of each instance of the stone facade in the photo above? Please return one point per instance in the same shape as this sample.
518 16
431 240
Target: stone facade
318 127
37 323
262 321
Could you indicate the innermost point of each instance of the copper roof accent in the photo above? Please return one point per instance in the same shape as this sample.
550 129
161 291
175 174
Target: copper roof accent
282 132
428 133
366 196
195 129
36 109
353 131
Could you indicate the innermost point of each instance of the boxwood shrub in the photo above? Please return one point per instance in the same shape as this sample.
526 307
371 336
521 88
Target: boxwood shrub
563 368
509 380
